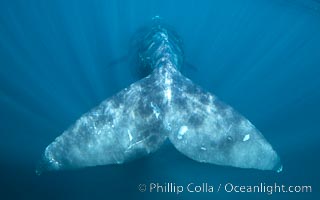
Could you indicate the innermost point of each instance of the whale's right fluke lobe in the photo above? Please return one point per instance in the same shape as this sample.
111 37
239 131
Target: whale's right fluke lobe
207 130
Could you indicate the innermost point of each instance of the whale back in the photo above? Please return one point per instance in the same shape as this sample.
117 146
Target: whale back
159 46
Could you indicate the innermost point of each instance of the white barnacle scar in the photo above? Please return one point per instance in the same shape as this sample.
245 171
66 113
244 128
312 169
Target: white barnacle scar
182 131
246 138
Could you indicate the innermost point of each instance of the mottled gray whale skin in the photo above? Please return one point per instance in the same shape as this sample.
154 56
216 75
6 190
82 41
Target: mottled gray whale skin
164 105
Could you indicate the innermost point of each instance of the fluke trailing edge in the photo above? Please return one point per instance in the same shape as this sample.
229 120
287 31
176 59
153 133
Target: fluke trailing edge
164 105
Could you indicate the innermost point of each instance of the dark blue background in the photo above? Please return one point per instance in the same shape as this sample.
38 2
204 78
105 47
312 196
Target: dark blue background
60 58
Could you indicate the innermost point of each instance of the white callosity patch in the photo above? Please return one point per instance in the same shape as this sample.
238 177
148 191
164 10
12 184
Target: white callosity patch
182 131
203 148
246 137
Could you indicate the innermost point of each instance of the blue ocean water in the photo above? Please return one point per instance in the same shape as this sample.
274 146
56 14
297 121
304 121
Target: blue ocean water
58 59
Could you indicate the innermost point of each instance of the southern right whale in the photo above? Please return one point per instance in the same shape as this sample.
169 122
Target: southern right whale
164 105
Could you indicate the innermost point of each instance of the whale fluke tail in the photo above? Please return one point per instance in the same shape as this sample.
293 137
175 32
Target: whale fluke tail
165 104
137 120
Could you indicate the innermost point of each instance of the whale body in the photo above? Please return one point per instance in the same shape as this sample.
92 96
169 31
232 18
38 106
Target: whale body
165 105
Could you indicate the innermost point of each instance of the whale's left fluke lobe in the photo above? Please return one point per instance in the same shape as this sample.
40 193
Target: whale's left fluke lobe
207 130
121 128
